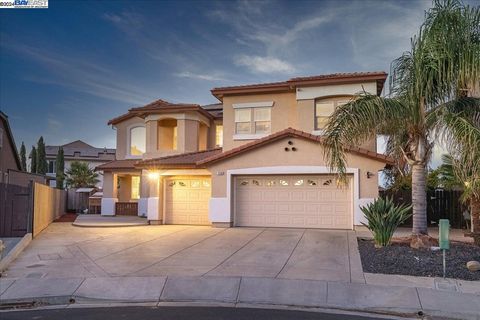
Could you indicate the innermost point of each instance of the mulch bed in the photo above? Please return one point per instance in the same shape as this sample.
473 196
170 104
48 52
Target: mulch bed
67 217
399 258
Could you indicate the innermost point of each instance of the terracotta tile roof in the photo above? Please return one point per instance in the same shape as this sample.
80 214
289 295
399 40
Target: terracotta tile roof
290 132
128 164
180 161
160 106
291 84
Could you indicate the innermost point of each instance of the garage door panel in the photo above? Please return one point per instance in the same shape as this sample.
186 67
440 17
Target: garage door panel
312 201
186 200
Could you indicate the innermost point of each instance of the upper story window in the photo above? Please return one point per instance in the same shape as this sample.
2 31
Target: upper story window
253 120
52 166
137 141
323 111
219 135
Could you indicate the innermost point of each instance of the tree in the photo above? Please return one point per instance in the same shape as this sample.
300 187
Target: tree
80 175
427 102
33 160
60 168
23 157
42 165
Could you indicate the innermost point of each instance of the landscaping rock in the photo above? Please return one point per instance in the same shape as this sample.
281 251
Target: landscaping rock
400 258
422 242
473 265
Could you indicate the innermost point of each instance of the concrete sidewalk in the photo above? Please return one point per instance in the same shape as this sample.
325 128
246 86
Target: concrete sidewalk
240 291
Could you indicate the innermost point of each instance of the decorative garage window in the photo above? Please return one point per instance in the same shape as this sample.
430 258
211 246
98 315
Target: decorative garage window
195 184
283 182
256 182
171 183
206 183
298 183
182 184
243 182
271 183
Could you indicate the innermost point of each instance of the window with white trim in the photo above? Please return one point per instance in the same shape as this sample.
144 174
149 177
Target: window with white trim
323 110
253 120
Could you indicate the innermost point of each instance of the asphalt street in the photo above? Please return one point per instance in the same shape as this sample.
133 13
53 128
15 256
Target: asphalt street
177 313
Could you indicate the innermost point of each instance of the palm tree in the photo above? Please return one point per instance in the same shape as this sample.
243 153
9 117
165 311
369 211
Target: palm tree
80 175
427 101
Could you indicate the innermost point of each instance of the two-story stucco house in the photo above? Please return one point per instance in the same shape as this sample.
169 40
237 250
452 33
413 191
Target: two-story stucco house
255 159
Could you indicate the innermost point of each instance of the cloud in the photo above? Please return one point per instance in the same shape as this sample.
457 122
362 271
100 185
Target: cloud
128 21
259 64
198 76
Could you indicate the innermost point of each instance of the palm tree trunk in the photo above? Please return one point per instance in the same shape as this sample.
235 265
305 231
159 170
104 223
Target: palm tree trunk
419 200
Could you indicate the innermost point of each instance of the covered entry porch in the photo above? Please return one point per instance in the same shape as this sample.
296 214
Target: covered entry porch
121 188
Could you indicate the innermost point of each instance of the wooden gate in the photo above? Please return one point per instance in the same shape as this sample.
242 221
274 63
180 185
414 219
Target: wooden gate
16 208
441 204
126 208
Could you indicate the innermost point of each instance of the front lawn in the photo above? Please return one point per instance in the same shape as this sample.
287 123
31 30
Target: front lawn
399 258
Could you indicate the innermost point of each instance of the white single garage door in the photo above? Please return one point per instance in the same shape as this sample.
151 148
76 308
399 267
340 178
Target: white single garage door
300 201
186 200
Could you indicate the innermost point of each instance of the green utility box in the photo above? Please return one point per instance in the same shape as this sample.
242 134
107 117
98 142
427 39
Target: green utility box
443 237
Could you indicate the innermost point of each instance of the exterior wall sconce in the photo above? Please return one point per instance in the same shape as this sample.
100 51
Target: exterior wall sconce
153 175
370 174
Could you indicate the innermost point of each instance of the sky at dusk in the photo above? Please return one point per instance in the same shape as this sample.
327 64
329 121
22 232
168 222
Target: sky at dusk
66 70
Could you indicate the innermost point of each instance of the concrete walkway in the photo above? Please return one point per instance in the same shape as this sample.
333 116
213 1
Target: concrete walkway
242 291
96 220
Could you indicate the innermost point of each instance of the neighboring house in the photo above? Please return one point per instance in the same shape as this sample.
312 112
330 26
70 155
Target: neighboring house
78 151
10 165
255 159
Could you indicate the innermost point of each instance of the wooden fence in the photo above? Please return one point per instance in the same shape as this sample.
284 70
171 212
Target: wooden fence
16 204
49 204
441 204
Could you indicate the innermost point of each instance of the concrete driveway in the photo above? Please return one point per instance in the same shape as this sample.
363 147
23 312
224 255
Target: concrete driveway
66 251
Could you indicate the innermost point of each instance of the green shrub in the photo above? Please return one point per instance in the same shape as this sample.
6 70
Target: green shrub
383 218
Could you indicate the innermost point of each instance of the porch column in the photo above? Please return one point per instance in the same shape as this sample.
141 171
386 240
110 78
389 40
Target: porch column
155 201
144 194
186 129
151 138
109 194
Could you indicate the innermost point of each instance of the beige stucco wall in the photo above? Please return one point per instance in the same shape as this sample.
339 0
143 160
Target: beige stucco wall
125 188
286 112
109 185
122 135
283 114
307 154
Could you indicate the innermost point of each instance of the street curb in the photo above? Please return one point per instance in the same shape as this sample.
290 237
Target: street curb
204 291
13 254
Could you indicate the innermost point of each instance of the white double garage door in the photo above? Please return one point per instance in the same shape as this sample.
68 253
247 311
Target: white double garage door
298 201
294 201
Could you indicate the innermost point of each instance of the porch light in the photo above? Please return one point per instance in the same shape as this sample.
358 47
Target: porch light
153 175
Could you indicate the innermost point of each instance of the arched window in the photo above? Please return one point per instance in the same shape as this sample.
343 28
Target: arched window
137 141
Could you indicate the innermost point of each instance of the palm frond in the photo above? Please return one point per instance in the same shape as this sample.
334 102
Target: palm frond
357 121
